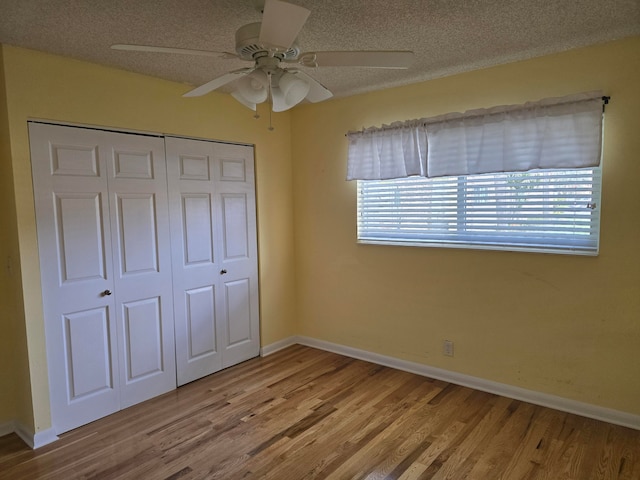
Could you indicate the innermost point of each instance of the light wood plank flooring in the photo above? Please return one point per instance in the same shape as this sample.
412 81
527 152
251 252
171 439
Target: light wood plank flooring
307 414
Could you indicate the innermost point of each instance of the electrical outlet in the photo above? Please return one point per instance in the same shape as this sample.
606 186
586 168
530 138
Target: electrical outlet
447 348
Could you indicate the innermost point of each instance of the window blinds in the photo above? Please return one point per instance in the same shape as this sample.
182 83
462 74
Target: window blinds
546 209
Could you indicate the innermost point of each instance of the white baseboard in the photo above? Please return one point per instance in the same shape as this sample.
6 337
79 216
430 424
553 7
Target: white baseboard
45 437
34 441
546 400
277 346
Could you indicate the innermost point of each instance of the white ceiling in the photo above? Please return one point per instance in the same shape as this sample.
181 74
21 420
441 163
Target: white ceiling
447 36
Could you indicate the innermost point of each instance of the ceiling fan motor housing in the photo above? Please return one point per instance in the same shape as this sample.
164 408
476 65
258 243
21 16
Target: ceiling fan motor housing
248 45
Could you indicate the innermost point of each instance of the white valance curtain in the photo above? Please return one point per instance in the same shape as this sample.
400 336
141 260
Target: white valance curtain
552 133
395 152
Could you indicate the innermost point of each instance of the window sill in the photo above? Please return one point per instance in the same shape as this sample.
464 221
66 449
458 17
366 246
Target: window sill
474 246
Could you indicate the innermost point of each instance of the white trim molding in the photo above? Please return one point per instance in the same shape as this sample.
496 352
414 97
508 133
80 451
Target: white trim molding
33 440
538 398
45 437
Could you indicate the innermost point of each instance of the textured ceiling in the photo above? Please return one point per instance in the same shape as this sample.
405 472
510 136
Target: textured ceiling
447 36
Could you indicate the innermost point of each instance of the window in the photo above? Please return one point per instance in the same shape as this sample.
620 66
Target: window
512 177
539 210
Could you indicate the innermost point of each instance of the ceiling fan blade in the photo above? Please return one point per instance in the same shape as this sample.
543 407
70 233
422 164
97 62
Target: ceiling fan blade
218 82
317 91
182 51
370 59
281 23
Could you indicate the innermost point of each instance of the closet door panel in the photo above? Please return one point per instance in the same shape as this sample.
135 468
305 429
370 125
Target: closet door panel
74 243
87 353
142 333
239 337
137 233
196 267
237 238
200 322
79 220
142 264
197 229
238 318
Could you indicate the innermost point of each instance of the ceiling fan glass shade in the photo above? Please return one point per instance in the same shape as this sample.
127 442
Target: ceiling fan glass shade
277 100
293 88
243 101
253 88
317 91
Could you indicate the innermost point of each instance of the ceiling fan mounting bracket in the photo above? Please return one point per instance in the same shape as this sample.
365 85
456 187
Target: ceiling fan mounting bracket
248 46
268 64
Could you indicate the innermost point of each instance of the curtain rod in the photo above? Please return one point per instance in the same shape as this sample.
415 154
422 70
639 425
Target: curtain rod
605 101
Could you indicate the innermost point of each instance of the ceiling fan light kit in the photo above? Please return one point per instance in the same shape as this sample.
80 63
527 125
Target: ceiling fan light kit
285 88
293 88
270 45
254 88
244 102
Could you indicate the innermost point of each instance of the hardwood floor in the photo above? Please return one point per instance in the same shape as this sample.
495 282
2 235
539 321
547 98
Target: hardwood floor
303 413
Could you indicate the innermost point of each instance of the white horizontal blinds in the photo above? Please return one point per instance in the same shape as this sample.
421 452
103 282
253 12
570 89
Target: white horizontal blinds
409 209
517 138
551 209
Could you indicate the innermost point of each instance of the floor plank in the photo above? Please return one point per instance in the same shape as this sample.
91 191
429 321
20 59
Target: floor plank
303 414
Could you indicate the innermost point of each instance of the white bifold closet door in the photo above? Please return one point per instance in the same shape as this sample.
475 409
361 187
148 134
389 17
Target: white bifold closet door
214 253
105 258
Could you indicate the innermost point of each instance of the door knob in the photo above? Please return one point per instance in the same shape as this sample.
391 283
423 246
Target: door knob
222 272
106 293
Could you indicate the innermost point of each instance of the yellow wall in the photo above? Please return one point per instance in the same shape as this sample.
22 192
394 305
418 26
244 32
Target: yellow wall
563 325
7 227
15 392
41 86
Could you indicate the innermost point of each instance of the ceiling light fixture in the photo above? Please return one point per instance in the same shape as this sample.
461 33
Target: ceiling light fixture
284 89
252 89
287 89
293 90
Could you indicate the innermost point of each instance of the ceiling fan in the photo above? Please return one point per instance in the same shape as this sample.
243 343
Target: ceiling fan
271 46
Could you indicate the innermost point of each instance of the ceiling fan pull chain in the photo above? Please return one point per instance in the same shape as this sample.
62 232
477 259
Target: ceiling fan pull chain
271 100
